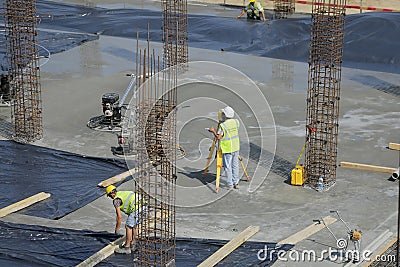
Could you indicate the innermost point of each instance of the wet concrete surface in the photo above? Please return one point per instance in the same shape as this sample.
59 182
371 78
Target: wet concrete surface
73 82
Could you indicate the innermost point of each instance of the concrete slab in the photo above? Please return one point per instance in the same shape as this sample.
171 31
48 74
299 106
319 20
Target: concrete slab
72 85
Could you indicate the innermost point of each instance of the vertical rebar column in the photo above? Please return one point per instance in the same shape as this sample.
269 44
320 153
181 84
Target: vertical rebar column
175 31
283 8
23 69
156 158
324 78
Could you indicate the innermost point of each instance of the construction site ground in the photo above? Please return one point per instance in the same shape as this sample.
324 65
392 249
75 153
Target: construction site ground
369 121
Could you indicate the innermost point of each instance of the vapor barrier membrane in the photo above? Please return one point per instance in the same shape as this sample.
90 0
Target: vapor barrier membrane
33 245
371 39
71 179
54 42
191 252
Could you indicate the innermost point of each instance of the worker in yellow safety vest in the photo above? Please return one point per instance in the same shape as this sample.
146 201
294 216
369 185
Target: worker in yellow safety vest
254 10
132 205
228 136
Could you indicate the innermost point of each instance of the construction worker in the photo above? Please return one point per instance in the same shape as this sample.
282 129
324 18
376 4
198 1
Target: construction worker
132 205
254 10
228 136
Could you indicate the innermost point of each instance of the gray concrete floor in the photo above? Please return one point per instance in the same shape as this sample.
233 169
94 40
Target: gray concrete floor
72 85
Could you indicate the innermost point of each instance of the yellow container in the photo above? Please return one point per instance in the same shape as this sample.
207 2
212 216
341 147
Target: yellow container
298 175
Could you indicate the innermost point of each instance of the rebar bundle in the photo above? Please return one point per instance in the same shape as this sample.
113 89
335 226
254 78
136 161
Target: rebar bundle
283 8
175 31
155 117
23 69
324 78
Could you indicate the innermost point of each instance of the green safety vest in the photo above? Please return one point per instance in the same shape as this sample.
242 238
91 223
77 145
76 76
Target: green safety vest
230 141
257 7
130 201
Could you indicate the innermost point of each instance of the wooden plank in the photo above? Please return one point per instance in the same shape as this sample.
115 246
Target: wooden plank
102 254
23 203
381 252
230 246
307 232
394 146
108 250
367 167
120 177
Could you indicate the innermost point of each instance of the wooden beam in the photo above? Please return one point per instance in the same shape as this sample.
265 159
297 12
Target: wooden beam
229 247
102 254
108 250
307 232
366 167
394 146
23 203
120 177
381 252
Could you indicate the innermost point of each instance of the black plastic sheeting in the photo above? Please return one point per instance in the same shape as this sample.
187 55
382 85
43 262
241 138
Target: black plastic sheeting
72 179
371 39
191 252
54 42
32 245
28 245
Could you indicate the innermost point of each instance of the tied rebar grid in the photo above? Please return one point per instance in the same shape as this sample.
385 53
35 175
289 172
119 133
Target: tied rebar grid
324 77
156 156
23 69
175 31
283 8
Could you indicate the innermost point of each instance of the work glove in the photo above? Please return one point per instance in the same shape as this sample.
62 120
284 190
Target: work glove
119 232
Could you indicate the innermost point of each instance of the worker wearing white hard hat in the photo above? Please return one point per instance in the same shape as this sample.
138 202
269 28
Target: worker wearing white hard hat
228 136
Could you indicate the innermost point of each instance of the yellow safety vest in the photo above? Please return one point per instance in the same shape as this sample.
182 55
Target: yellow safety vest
130 201
230 141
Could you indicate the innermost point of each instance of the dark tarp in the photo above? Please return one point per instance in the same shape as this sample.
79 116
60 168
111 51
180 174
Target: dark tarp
371 39
25 245
191 252
72 179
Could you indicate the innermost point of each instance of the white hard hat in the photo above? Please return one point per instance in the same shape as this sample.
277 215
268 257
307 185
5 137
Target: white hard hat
228 111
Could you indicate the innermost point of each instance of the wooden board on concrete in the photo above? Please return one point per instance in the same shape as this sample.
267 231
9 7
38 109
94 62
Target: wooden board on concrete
119 177
23 203
394 146
381 252
308 231
229 247
102 254
367 167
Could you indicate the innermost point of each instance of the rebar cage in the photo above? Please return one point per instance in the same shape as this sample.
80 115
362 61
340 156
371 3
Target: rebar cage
324 78
155 123
23 69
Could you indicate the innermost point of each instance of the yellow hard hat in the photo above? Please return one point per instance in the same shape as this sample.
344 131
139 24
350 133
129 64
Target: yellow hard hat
252 1
109 189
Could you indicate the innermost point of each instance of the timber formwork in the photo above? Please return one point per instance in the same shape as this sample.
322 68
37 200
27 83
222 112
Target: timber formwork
23 69
175 31
324 78
155 135
284 8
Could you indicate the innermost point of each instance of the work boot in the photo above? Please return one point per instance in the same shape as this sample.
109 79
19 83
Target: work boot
236 186
123 250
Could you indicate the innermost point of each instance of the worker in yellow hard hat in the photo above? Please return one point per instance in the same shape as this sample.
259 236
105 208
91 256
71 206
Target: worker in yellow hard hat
254 10
132 205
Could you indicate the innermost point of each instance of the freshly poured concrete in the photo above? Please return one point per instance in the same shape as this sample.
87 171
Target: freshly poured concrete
72 85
